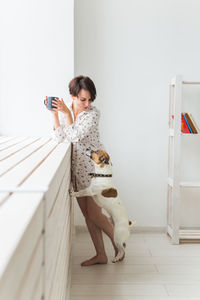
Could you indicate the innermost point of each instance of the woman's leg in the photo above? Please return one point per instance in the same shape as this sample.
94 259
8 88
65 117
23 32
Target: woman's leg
96 221
95 214
96 235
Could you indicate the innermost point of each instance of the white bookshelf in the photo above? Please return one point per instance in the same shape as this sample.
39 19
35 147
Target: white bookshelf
176 184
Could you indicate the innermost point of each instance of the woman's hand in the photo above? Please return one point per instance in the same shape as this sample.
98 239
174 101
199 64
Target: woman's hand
60 106
54 112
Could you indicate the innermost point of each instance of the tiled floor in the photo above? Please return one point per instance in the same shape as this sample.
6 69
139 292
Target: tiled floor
153 270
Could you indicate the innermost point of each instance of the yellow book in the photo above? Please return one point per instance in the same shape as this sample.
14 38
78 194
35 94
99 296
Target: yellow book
195 124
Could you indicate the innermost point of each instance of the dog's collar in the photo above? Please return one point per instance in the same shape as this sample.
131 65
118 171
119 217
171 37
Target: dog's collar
100 175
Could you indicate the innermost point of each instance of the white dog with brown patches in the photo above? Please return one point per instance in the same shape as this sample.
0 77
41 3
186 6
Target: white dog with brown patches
105 195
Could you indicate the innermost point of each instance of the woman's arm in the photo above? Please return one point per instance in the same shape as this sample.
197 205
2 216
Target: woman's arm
68 118
58 133
56 122
60 106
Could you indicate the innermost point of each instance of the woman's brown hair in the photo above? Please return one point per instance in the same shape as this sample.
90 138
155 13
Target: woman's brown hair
82 82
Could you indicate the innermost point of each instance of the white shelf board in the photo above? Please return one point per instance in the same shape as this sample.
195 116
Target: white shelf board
190 184
189 234
191 82
171 133
190 134
186 184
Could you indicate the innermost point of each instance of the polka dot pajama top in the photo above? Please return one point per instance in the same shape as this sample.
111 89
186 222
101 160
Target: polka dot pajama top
83 133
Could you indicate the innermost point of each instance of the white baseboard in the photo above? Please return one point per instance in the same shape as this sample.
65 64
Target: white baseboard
148 229
135 229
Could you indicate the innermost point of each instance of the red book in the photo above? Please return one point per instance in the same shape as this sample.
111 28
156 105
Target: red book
184 127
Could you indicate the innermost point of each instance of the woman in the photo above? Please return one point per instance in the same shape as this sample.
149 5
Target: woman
79 126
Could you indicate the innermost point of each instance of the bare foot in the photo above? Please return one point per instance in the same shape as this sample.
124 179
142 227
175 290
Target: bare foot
95 260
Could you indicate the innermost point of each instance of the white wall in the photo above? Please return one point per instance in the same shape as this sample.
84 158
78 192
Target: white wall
36 59
131 49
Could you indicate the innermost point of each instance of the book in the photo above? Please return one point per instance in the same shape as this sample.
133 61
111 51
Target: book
187 123
190 123
184 127
195 123
196 117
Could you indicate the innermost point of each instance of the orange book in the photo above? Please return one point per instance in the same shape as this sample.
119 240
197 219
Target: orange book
190 123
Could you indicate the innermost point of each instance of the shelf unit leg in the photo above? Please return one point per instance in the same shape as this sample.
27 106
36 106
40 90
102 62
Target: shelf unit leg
175 238
174 155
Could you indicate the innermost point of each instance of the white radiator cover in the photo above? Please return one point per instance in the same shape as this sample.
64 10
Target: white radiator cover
36 219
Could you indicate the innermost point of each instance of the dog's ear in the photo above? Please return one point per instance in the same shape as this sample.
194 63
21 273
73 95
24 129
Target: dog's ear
109 193
104 158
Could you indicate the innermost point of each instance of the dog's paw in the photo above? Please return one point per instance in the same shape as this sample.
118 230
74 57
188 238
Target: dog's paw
114 260
119 257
